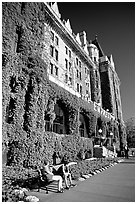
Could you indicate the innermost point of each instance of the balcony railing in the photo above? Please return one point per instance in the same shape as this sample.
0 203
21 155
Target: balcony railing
57 127
81 131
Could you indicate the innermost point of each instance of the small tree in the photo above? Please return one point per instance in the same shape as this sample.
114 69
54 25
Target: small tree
130 130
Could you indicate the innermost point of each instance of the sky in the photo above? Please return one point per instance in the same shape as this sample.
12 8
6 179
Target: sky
114 25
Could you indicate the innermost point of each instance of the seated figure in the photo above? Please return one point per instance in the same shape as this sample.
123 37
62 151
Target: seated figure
48 174
63 171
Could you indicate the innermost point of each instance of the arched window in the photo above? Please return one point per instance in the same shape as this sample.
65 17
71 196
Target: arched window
82 127
59 122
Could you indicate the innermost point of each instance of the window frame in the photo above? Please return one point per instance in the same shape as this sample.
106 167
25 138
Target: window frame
56 40
78 87
56 70
69 53
56 55
66 63
51 68
52 50
52 35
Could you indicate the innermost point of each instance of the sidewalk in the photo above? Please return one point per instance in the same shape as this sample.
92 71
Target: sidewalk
115 184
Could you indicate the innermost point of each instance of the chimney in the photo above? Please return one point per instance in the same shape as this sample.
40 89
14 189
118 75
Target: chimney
83 38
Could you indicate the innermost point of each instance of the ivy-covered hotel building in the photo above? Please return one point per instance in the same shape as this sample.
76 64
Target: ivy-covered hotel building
82 69
55 80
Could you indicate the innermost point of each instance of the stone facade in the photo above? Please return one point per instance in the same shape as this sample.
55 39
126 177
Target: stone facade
83 68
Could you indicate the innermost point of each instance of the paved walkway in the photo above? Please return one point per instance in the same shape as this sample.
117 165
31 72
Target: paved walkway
115 184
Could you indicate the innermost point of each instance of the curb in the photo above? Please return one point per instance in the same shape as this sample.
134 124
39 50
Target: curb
86 176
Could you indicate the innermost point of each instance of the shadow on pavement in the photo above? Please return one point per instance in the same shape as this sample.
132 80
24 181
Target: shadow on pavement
129 161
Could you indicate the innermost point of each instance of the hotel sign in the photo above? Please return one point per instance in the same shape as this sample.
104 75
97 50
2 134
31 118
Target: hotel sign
103 112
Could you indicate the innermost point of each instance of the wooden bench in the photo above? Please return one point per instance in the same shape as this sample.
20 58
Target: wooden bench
43 182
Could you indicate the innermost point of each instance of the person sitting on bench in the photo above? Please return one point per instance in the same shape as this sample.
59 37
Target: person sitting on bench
67 175
47 173
63 171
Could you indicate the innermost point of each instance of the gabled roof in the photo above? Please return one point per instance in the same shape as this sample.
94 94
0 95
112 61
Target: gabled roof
78 38
67 24
54 6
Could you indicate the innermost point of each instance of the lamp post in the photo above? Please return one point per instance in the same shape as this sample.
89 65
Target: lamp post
111 135
100 131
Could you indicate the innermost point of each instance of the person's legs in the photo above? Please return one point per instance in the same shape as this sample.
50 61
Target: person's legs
65 180
59 179
70 179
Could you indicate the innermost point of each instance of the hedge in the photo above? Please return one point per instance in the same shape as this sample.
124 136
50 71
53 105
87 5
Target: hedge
15 177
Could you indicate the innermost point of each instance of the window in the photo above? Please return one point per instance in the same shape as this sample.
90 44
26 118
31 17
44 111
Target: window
56 40
80 89
85 70
52 36
51 50
83 126
77 74
69 54
70 79
69 66
66 78
66 63
97 84
87 84
77 87
95 59
80 75
66 50
80 64
51 68
56 71
86 92
56 55
77 61
96 73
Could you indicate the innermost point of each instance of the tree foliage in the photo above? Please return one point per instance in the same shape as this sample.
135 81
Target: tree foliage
130 130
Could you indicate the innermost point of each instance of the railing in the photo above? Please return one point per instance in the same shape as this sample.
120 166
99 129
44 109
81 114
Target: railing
81 131
57 127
